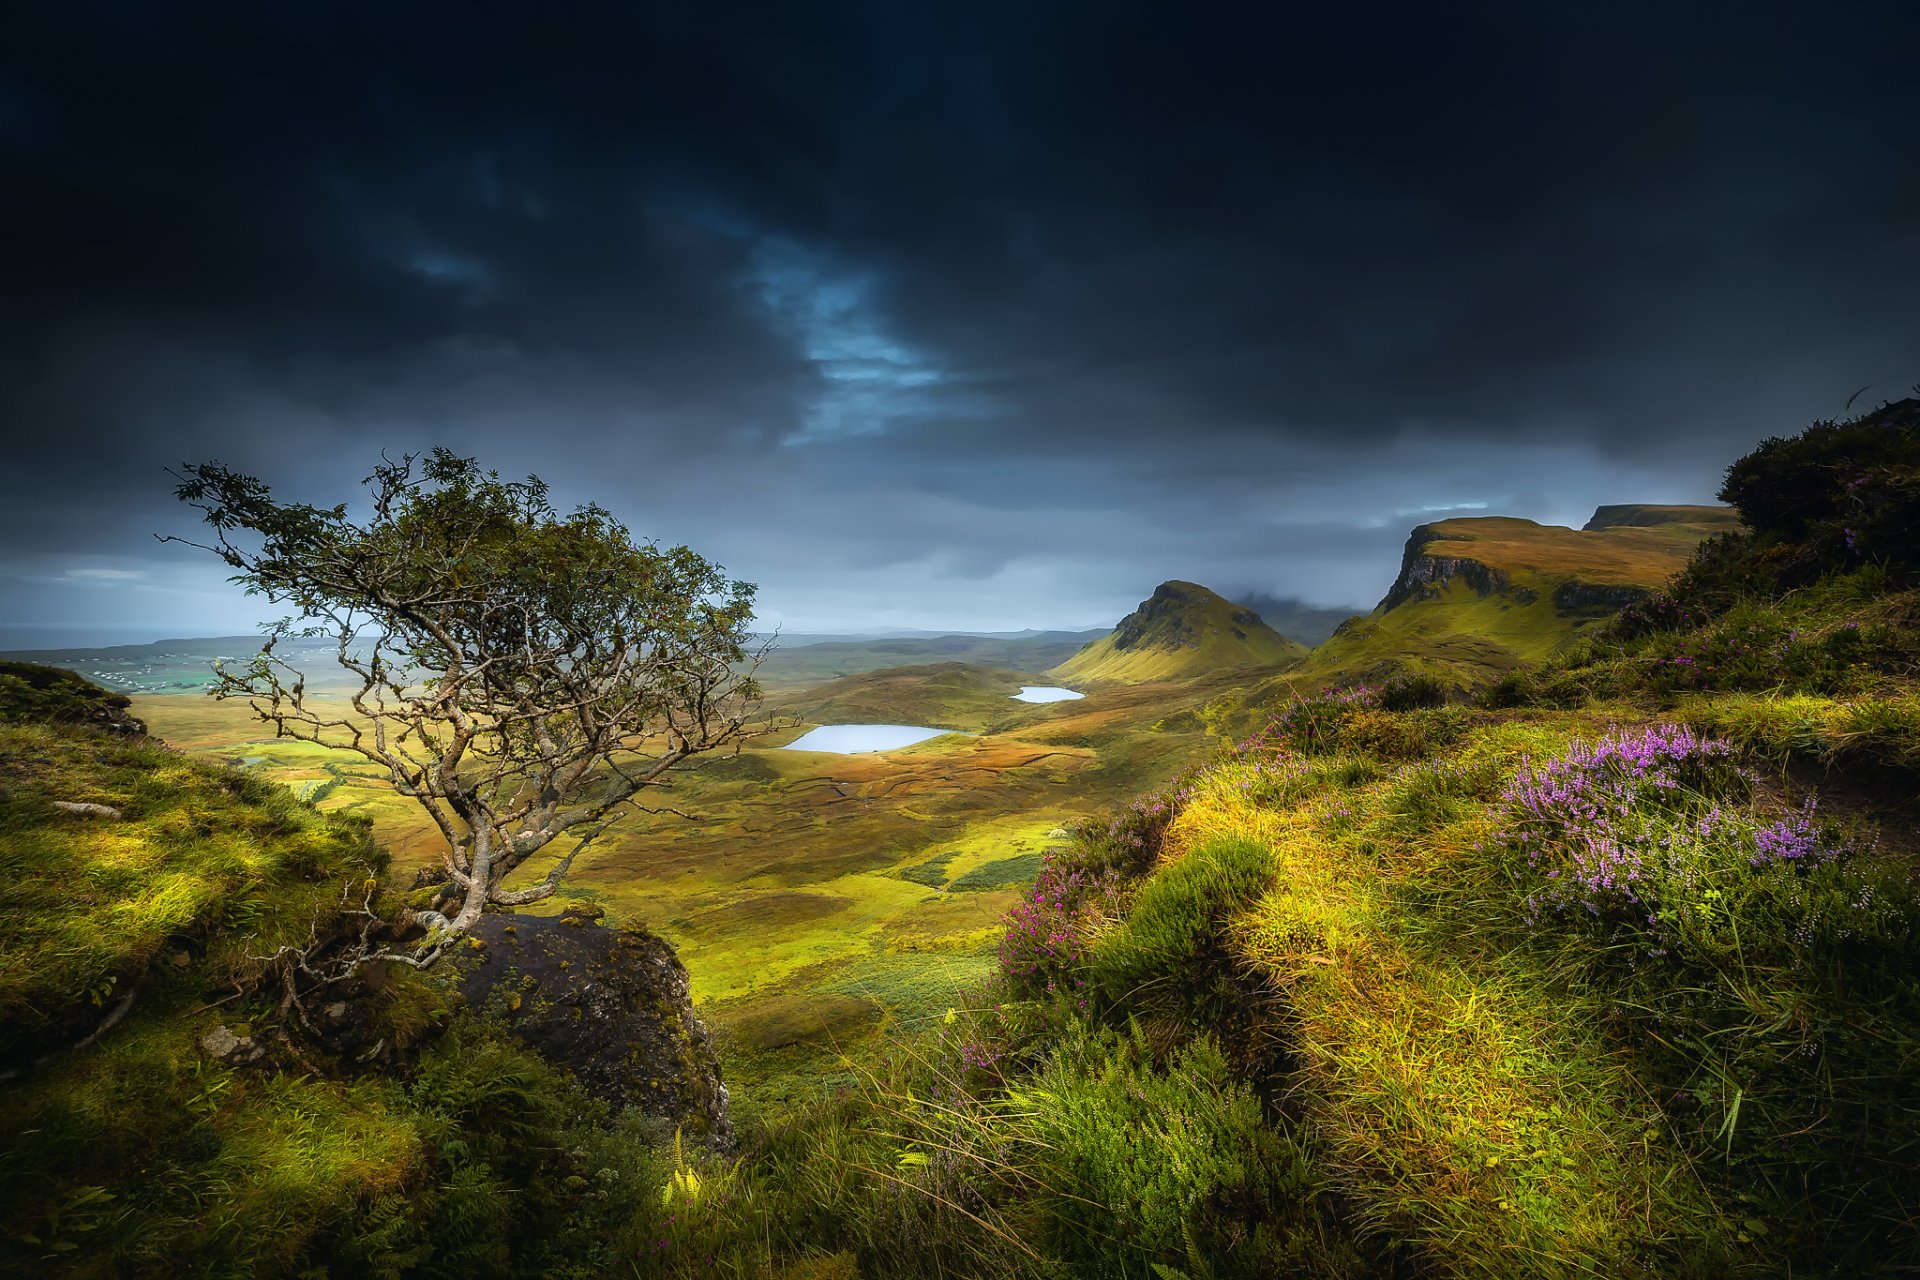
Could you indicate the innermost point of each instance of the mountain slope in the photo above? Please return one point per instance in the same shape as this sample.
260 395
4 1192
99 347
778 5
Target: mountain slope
1476 597
1182 630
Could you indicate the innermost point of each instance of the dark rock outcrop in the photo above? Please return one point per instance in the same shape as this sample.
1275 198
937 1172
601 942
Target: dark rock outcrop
1163 620
1424 576
30 691
608 1006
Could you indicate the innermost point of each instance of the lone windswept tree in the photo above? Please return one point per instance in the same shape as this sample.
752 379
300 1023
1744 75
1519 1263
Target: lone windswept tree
522 675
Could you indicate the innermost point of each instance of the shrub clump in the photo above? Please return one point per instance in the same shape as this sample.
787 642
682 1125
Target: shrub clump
1171 947
1763 966
1155 1172
1045 944
1400 720
1649 829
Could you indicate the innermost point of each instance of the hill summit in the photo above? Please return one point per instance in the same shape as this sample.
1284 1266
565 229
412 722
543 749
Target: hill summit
1181 630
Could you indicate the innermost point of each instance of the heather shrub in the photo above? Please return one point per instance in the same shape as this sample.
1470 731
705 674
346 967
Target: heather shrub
1411 693
1648 832
1762 962
1402 720
1129 843
1754 647
1314 723
1044 947
1562 686
1654 614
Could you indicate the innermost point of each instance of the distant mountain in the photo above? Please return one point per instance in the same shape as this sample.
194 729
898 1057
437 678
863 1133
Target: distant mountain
1475 597
155 649
1296 619
951 695
186 665
794 665
1182 630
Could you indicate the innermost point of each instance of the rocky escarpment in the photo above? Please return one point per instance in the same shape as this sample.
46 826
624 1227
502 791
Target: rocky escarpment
1425 575
609 1006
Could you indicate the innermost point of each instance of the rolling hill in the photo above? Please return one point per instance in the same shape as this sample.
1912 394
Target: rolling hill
951 695
801 663
1477 597
1183 630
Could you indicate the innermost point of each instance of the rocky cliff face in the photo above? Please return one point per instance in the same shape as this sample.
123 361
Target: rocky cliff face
608 1006
1424 574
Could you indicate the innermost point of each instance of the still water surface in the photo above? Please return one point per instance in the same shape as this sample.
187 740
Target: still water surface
1045 693
849 739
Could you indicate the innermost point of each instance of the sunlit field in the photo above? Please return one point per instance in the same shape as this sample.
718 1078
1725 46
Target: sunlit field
817 900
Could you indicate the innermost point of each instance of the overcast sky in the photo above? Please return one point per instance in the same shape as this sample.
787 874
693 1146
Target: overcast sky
927 315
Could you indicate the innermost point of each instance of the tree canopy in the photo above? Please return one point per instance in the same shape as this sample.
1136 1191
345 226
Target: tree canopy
522 674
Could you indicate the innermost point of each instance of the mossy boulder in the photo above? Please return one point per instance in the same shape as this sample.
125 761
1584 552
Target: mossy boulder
608 1006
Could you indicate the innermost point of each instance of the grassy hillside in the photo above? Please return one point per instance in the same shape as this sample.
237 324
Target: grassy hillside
131 931
798 666
1612 974
1476 598
1183 630
1608 972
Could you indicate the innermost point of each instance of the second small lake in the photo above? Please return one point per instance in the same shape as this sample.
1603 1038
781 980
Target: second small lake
1045 693
850 739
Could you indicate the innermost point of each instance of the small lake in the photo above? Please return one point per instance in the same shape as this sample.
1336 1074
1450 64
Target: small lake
1045 693
850 739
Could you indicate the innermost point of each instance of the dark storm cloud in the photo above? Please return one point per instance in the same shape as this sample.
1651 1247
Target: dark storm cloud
935 313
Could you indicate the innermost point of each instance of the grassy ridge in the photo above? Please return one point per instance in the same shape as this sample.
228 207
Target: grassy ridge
1645 552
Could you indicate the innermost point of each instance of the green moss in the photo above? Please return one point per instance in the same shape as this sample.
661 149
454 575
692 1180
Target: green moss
198 852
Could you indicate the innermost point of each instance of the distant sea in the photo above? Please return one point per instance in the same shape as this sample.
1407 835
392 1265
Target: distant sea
16 637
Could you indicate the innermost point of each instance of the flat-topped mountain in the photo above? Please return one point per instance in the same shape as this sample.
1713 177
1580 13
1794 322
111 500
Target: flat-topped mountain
1622 553
1633 515
1181 630
1482 595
